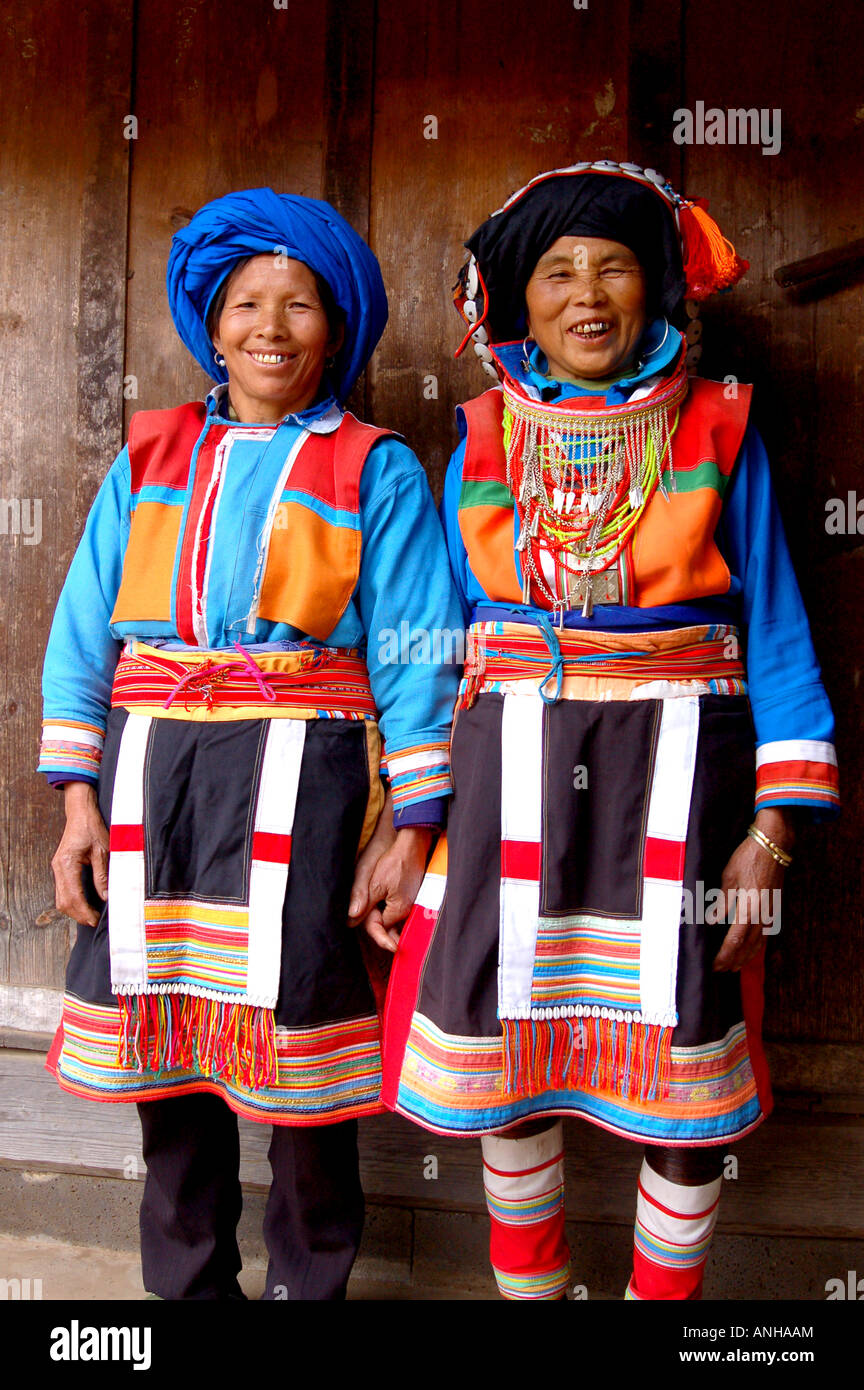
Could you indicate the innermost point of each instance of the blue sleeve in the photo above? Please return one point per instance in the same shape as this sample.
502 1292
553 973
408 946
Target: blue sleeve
796 762
413 623
82 653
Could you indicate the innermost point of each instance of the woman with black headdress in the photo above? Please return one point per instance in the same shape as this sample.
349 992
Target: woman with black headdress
619 830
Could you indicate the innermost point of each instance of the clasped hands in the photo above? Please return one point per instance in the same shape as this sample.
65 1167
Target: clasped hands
387 877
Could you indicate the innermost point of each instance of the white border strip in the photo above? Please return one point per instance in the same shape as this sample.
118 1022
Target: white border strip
668 818
521 802
71 733
274 813
126 940
796 750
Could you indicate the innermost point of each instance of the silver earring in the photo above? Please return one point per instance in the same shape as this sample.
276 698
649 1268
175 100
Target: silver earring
646 355
220 361
526 365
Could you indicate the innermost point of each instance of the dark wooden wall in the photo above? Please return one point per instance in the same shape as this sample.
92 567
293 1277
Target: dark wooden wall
65 177
331 100
803 351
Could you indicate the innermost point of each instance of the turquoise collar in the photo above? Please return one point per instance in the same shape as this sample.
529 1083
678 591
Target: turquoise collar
659 348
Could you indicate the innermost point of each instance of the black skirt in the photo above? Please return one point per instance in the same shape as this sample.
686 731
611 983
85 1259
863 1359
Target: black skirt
201 779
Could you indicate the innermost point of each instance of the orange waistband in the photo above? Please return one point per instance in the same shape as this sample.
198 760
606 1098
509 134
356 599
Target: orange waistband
313 680
499 651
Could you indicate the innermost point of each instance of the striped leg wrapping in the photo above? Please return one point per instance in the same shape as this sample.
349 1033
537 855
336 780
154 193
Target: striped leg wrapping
674 1226
524 1182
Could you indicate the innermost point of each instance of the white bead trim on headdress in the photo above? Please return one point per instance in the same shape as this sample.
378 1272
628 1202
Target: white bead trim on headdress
470 308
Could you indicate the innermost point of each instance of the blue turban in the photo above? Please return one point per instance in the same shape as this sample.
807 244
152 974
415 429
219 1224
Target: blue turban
254 222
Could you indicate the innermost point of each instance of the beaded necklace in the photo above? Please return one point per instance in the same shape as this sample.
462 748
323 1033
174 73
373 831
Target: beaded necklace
582 478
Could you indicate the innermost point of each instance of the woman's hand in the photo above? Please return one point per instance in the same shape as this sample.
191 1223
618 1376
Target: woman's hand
85 841
383 836
395 881
751 872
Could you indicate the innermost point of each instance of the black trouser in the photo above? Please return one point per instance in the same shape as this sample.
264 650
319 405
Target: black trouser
192 1202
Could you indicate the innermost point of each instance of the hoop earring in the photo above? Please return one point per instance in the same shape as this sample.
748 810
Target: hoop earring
220 361
526 365
646 355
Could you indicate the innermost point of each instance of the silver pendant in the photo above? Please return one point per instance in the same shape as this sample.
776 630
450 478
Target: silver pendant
602 587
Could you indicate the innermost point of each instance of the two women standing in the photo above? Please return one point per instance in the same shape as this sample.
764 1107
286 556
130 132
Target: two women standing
614 542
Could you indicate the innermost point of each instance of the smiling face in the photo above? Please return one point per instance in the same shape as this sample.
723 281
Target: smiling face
274 336
586 305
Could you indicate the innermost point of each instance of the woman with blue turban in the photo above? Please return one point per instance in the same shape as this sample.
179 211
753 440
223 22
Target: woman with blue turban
221 670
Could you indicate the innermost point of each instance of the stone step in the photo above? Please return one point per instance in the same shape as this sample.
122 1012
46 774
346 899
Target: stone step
800 1174
406 1254
792 1215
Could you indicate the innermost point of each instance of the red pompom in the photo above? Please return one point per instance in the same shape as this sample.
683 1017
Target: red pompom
710 261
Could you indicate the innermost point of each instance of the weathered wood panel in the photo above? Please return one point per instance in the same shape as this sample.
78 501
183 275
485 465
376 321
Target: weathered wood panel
656 85
507 93
348 145
227 96
65 159
68 94
803 351
29 1009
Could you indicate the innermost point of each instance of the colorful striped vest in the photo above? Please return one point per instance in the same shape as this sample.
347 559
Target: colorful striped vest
313 552
672 557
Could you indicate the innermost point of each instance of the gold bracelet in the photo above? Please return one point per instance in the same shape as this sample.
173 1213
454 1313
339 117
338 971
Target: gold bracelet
775 851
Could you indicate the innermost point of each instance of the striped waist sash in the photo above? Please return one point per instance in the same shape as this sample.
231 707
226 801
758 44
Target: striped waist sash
313 681
500 651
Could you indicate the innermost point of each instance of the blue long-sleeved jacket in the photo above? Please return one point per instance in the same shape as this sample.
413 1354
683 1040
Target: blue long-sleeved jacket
404 577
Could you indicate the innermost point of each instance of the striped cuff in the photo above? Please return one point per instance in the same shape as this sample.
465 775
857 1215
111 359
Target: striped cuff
71 748
797 772
419 773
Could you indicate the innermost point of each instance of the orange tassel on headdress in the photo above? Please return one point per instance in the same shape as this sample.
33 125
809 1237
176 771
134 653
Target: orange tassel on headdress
710 261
